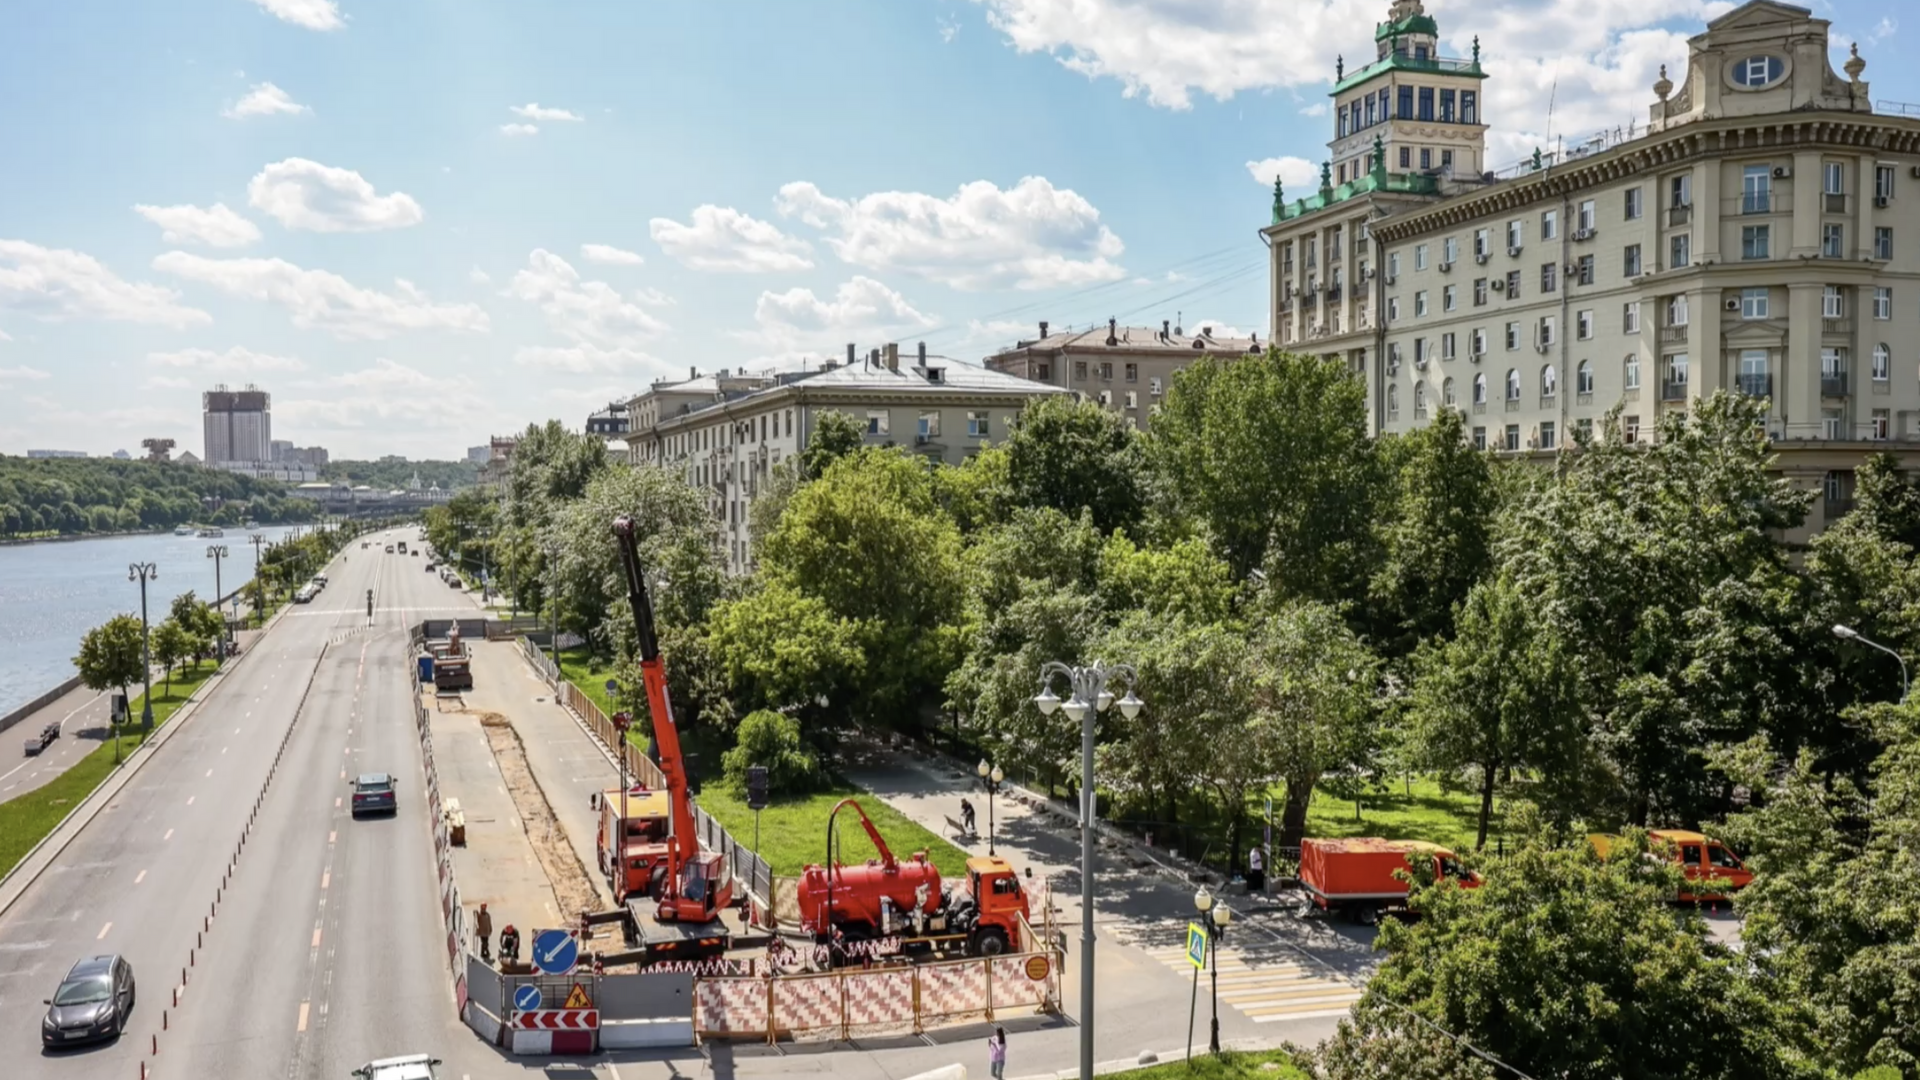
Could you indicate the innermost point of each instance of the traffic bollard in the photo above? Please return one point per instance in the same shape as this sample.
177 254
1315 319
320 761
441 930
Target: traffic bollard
156 1044
163 1019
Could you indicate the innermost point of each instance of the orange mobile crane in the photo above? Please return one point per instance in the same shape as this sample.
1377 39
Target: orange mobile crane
683 921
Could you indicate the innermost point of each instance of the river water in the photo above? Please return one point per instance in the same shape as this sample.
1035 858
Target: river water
53 593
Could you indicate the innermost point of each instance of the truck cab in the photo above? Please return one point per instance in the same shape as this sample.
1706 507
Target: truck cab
1000 902
646 835
1701 858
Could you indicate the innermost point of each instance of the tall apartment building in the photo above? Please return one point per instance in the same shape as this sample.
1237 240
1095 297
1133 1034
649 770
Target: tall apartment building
238 425
727 432
1127 369
1744 240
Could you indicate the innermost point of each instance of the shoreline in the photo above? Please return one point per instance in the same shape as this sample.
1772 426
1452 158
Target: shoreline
67 538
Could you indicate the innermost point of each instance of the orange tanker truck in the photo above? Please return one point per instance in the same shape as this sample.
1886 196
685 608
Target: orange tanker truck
890 899
1357 875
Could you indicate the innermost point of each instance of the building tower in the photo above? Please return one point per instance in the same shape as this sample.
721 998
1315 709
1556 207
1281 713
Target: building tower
238 424
1421 111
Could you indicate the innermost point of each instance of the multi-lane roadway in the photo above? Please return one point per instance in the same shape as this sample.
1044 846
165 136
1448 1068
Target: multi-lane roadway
325 950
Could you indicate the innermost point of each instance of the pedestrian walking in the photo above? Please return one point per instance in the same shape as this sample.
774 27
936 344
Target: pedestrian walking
997 1053
1256 870
967 817
483 925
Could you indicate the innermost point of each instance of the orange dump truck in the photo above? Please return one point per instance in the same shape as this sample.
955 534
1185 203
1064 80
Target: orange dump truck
1356 875
1701 858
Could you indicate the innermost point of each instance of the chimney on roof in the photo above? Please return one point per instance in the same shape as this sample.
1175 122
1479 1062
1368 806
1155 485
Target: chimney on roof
1113 334
892 355
1043 329
692 372
923 355
1166 329
850 354
1206 331
873 357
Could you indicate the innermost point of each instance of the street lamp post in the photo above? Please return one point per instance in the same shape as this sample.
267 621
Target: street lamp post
1087 697
259 587
1216 915
1848 633
143 573
990 777
553 599
217 552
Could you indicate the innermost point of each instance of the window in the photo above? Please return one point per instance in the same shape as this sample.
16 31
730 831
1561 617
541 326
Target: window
1479 292
978 426
1677 309
1420 352
1879 424
1106 371
1882 361
1133 372
1583 378
1830 429
1479 342
1393 402
1426 156
1451 247
1755 242
1419 256
1630 260
1583 430
1480 438
1467 113
1833 303
1106 398
1883 181
1677 370
1370 113
1449 298
1549 277
1153 386
1679 251
1583 269
1548 330
1630 429
1516 233
1426 101
1882 302
1550 225
1446 392
1753 303
1393 308
1883 243
1634 208
1583 325
1513 284
1513 384
1513 335
1756 189
1446 106
1680 190
1835 179
1482 242
1832 237
1133 399
1549 381
878 423
1757 71
1080 367
1547 435
1833 363
1393 264
1584 218
1512 439
1479 389
1632 377
1420 304
1420 401
1406 153
1630 318
1343 134
1446 346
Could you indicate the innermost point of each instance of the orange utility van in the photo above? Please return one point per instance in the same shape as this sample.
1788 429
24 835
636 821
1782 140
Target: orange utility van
1701 858
1356 875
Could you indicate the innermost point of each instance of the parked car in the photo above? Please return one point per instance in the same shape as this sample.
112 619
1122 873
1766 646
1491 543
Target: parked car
429 568
373 794
320 580
40 742
389 549
304 596
92 1003
411 1067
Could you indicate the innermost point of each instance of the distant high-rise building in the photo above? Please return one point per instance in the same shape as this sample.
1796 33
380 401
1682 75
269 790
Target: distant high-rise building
238 424
479 454
280 450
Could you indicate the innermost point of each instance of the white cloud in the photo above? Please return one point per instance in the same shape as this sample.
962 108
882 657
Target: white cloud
1604 55
167 382
4 336
653 296
1030 236
317 299
517 130
216 226
56 284
387 397
605 329
479 276
236 360
612 256
311 14
1318 108
797 322
587 359
33 374
265 99
949 29
532 111
1884 29
303 194
1294 173
724 240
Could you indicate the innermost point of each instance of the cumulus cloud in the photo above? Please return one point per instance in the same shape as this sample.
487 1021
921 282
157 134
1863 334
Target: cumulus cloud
1295 173
319 300
479 276
22 373
605 330
303 194
612 256
1030 236
167 382
534 111
216 226
518 130
265 99
311 14
724 240
236 360
384 395
798 322
56 284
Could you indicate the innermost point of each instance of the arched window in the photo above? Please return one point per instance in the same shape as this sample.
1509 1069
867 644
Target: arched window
1583 377
1393 401
1882 362
1479 389
1549 381
1420 399
1633 371
1513 384
1446 392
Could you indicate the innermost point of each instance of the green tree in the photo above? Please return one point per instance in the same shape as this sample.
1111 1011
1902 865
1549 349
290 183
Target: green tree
784 650
1315 699
835 435
550 465
1077 455
112 654
172 645
1180 580
1436 539
196 620
771 740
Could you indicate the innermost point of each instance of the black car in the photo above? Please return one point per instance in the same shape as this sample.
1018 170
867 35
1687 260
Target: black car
92 1003
373 794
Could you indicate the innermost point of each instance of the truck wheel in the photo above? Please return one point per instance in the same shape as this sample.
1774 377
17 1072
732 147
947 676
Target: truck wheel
657 884
1367 915
990 941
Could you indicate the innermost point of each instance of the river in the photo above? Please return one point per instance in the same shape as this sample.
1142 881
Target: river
51 594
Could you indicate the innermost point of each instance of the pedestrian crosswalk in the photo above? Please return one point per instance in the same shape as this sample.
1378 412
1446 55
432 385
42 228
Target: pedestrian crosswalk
1267 984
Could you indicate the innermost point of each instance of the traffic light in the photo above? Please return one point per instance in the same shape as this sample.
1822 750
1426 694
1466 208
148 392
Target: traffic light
756 787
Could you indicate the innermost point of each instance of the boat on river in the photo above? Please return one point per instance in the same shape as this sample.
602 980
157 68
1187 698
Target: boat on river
211 534
183 530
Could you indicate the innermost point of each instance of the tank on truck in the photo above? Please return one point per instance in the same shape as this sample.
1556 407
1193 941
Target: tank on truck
833 865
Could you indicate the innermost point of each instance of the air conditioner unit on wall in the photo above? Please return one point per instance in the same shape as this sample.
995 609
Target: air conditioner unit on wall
1881 201
1731 304
1782 172
1514 251
1481 257
1391 278
1446 267
1498 285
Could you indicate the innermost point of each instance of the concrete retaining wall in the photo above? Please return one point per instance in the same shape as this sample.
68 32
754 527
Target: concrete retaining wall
628 1034
38 703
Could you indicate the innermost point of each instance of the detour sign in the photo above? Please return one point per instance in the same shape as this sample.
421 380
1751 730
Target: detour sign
1036 968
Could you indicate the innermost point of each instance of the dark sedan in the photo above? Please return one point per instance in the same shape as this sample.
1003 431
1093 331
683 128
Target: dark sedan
373 794
92 1003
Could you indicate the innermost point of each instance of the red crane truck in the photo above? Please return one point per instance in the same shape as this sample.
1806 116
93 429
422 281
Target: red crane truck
1356 875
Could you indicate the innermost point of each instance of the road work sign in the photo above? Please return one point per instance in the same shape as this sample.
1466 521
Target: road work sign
555 952
578 999
526 998
1196 945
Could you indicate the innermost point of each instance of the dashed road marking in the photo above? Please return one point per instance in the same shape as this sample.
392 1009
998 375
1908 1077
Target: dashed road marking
302 1026
326 876
331 835
190 799
336 802
169 835
209 774
316 937
101 936
140 877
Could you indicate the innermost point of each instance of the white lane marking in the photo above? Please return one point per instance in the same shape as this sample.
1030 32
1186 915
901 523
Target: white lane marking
223 749
140 877
101 936
236 731
303 1017
336 802
330 836
325 877
316 937
190 799
169 835
209 773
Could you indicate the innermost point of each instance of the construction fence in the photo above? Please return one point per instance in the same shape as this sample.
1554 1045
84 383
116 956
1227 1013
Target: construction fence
452 914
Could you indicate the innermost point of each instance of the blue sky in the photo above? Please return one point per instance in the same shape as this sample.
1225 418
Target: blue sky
417 222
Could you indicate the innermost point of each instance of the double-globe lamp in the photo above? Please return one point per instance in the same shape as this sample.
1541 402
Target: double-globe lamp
1217 915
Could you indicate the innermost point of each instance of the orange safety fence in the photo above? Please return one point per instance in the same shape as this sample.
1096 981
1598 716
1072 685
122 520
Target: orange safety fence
809 1006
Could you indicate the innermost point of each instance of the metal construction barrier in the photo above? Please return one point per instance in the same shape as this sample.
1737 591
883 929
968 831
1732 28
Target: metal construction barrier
483 1018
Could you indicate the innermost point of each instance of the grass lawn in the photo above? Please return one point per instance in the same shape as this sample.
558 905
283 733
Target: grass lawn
793 832
1263 1065
27 819
1429 813
589 673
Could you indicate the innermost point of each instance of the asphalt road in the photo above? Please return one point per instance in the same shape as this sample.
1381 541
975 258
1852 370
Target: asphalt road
325 950
82 716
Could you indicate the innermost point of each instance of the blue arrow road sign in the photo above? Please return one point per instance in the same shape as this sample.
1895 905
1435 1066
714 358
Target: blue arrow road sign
526 998
555 952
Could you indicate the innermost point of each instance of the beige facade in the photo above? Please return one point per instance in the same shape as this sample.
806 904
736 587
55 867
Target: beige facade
1127 369
1760 236
726 433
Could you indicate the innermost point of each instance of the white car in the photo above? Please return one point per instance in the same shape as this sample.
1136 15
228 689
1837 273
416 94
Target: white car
411 1067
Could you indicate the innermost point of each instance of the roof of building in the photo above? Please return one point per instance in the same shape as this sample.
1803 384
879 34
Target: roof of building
1135 339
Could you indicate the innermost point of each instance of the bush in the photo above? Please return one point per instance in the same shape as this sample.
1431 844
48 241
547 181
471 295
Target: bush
770 739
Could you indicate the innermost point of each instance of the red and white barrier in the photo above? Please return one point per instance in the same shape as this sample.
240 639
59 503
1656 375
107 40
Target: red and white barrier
557 1020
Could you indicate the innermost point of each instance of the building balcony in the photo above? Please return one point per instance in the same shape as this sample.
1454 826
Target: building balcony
1833 384
1434 65
1479 407
1673 335
1673 390
1513 404
1833 203
1756 385
1679 215
1379 180
1836 326
1753 202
